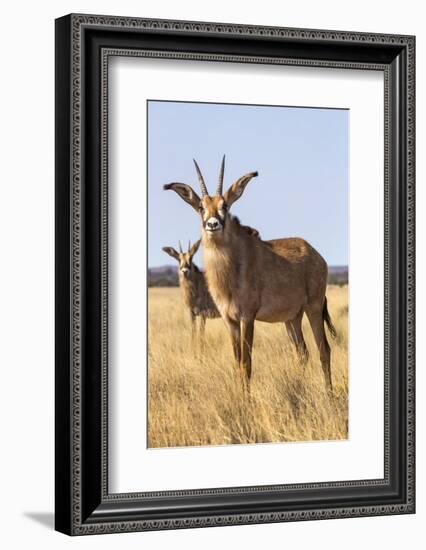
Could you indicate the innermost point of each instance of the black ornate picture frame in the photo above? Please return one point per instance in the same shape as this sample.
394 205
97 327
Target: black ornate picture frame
84 43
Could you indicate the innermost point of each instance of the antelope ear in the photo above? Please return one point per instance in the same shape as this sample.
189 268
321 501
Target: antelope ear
171 252
237 188
194 248
185 192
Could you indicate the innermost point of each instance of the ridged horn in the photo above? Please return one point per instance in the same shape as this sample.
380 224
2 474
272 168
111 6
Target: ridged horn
204 191
180 248
220 180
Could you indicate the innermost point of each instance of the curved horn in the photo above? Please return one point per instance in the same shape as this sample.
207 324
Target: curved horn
180 248
220 180
204 191
189 245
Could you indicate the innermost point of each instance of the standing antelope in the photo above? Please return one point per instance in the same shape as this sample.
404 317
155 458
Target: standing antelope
193 286
250 279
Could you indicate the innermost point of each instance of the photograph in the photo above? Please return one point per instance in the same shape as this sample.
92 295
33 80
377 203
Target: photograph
247 274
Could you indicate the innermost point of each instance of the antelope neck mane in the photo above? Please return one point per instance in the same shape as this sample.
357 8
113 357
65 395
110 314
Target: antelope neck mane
245 230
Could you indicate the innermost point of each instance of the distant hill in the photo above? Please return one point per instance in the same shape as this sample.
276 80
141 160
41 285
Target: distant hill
167 275
338 274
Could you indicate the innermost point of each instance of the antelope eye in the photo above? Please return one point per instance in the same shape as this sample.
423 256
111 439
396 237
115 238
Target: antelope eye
201 208
224 206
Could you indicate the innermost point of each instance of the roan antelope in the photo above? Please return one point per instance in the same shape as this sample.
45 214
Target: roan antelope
250 279
195 294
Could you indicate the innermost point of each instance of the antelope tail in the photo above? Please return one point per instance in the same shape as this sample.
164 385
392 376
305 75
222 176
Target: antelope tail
327 320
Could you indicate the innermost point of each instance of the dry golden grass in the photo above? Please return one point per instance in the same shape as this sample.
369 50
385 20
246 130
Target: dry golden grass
195 397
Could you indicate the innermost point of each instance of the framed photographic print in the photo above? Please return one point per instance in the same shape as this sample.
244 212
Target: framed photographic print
234 274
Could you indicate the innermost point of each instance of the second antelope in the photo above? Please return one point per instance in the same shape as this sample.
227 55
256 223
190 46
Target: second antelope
193 286
250 279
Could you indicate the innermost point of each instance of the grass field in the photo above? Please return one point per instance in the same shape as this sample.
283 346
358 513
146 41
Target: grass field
195 397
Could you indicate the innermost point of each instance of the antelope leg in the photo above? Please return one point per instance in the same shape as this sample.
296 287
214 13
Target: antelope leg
234 331
317 324
247 332
294 331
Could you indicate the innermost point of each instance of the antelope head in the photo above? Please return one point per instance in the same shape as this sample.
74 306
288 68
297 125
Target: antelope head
184 258
213 209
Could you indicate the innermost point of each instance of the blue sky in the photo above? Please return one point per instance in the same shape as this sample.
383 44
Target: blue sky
301 155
